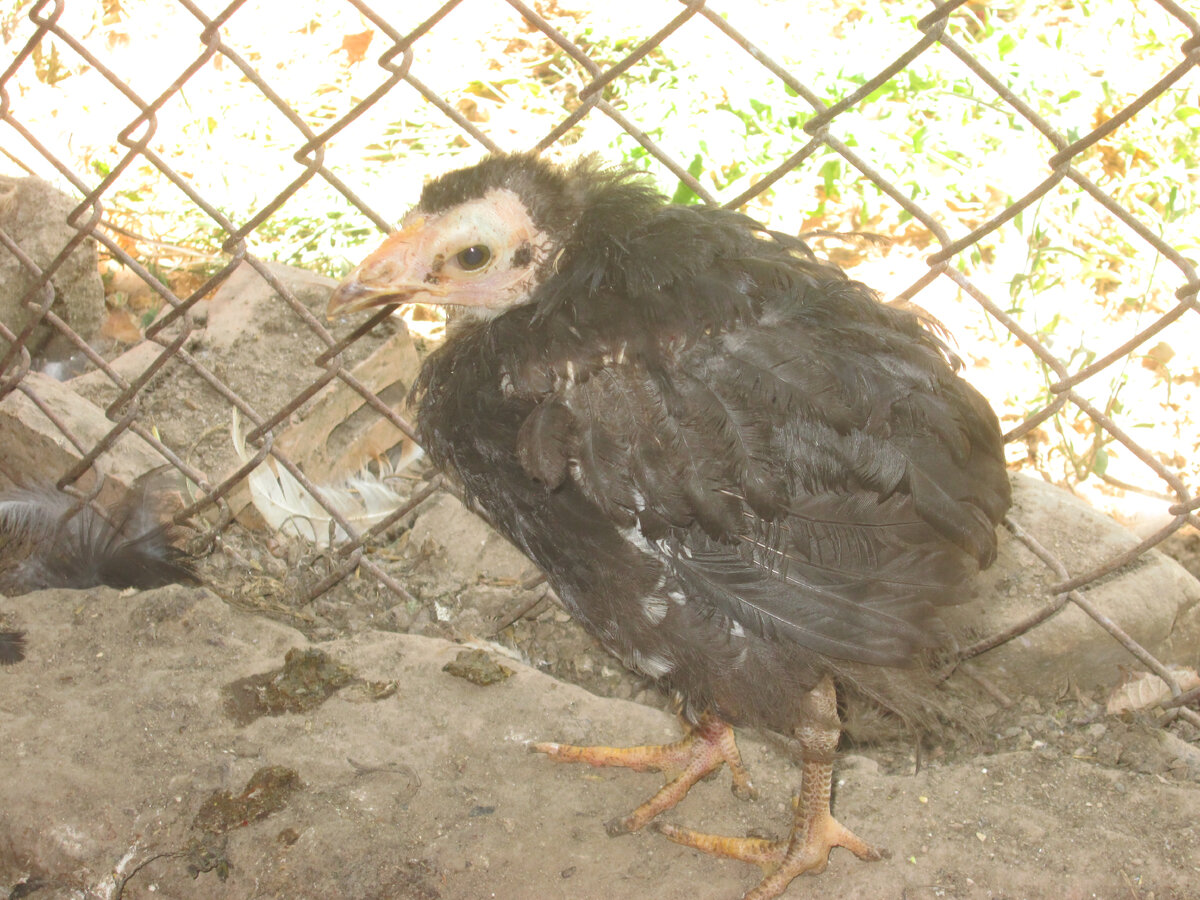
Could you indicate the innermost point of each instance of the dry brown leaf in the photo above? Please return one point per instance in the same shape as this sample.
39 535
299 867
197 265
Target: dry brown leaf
1146 689
1112 161
356 45
1160 354
121 326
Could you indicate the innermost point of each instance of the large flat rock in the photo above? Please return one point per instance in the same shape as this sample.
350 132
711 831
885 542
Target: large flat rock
114 734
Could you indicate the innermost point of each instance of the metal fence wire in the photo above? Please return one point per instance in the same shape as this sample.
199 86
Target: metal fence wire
396 77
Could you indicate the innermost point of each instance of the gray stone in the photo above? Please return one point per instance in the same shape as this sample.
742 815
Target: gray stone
1153 599
34 216
36 450
473 550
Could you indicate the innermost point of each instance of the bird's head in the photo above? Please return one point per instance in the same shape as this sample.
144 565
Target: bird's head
479 239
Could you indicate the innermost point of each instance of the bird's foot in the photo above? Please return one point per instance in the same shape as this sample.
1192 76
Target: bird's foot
815 831
806 851
699 753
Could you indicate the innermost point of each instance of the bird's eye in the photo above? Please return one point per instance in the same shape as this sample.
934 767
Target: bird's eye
474 257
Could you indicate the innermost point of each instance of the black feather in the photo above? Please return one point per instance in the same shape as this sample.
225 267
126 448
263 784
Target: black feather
47 540
544 441
12 647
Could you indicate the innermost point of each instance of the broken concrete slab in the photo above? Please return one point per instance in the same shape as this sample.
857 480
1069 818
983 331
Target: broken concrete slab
247 300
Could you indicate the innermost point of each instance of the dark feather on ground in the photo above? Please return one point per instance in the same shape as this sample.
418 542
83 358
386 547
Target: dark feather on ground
12 647
47 540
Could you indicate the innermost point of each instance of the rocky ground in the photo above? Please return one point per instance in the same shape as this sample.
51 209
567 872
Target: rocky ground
171 744
158 744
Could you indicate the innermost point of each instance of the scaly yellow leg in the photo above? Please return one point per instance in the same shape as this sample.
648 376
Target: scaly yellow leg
700 752
815 832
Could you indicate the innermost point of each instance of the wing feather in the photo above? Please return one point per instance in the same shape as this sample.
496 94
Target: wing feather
828 480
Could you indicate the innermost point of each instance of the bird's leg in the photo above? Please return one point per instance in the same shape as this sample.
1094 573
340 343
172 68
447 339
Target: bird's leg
815 831
701 751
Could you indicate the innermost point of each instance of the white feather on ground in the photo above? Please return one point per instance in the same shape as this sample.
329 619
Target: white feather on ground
289 509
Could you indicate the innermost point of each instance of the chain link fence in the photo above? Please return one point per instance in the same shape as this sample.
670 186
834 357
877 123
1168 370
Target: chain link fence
397 82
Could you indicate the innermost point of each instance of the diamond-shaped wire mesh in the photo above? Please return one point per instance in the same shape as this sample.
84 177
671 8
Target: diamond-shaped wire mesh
836 122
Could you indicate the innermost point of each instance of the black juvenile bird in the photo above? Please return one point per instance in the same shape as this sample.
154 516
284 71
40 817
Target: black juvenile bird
742 473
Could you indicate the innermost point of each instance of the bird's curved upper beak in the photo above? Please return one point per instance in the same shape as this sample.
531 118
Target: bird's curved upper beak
394 273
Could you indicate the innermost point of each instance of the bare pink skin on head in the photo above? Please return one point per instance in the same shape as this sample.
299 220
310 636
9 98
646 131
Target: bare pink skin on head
483 255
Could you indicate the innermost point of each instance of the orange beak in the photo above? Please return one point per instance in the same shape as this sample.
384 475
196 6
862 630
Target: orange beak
394 273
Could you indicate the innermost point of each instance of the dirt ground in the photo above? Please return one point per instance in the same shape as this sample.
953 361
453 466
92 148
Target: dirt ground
136 764
139 765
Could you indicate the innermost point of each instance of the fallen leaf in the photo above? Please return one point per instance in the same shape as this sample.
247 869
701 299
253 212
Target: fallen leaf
121 326
1147 689
356 46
